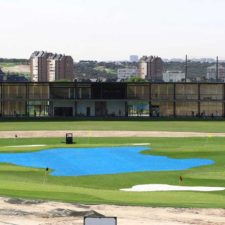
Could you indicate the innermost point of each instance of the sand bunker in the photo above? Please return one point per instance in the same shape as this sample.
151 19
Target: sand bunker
35 212
166 187
141 144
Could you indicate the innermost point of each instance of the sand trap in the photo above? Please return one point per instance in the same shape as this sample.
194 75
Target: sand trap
141 144
166 187
24 146
32 212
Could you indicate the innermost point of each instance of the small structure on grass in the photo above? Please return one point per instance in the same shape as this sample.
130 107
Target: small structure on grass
69 138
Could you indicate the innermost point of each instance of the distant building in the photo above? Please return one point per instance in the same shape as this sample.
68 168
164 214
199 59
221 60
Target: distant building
127 73
1 75
207 60
173 76
143 68
212 72
134 58
176 60
38 66
15 78
151 68
46 66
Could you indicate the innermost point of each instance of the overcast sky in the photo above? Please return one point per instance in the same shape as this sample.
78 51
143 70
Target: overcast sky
113 29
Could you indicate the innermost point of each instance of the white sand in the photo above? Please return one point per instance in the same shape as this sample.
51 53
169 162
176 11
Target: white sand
40 214
141 144
166 187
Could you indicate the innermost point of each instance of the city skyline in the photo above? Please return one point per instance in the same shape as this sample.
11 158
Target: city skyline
105 30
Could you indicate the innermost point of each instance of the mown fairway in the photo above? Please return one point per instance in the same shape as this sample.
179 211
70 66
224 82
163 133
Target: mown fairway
192 126
28 182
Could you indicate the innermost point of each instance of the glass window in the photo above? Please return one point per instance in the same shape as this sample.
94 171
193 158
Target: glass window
138 108
12 91
211 109
211 91
38 108
138 91
162 91
162 108
186 108
14 108
187 91
84 93
38 91
62 93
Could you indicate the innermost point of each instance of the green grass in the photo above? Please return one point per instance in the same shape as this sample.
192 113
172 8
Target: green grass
107 70
26 182
8 64
191 126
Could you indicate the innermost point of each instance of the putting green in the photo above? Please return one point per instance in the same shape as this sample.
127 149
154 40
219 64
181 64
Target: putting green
31 183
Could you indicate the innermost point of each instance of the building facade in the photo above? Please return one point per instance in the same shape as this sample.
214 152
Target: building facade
151 68
173 76
2 74
126 73
74 99
213 72
46 66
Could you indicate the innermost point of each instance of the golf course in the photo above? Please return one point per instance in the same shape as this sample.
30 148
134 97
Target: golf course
36 183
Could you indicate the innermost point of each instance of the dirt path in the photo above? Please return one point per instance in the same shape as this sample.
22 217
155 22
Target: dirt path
21 212
30 134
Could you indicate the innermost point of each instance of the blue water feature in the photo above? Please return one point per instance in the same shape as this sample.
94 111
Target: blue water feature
104 160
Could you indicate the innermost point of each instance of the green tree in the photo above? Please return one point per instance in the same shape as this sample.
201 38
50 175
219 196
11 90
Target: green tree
136 79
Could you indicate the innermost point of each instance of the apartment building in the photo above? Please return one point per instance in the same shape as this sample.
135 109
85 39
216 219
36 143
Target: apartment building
151 68
46 66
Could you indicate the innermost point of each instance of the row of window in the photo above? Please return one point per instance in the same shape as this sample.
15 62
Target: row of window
133 108
130 91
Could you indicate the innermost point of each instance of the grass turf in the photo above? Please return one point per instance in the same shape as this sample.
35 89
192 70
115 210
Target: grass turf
28 182
179 126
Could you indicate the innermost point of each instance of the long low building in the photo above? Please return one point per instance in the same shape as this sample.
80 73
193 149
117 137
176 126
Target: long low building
78 99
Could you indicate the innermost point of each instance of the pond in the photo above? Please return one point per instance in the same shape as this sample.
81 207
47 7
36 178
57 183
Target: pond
101 160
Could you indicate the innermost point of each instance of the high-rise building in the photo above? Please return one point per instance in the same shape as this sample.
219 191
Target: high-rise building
38 66
46 66
151 68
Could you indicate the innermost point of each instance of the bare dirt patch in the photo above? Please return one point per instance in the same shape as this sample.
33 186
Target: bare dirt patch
33 134
25 212
17 69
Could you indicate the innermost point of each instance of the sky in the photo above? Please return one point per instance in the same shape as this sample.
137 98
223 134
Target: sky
113 29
